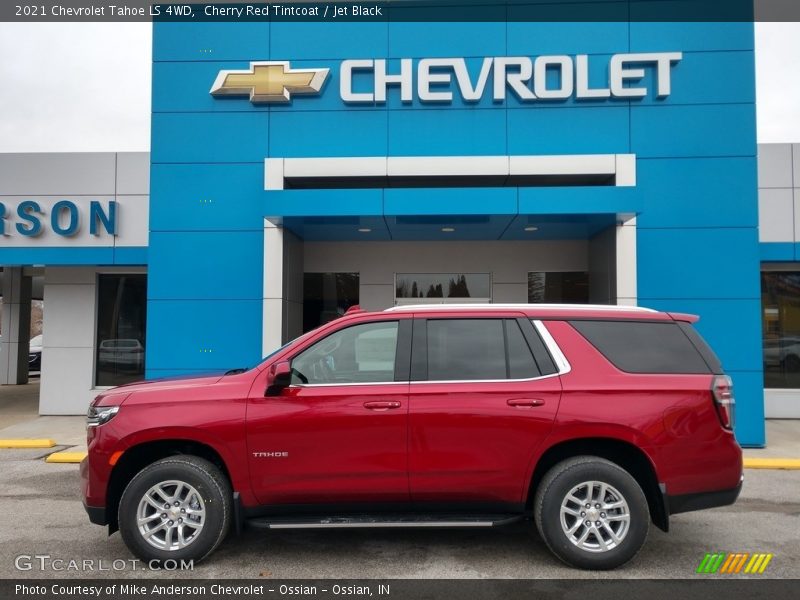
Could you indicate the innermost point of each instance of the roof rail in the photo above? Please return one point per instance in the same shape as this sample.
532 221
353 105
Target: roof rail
536 306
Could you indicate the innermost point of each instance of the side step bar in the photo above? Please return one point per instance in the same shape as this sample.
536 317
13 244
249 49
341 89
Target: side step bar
394 520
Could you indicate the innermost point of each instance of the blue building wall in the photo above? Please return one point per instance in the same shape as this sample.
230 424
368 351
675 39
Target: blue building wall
695 197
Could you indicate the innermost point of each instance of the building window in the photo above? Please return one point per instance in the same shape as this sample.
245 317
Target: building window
326 296
780 313
558 287
120 344
420 288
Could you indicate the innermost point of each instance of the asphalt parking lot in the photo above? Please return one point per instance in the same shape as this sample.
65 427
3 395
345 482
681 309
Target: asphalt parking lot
42 515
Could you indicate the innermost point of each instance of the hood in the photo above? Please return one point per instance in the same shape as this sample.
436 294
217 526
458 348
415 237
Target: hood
165 383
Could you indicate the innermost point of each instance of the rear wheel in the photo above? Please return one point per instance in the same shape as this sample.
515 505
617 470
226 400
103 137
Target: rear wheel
176 508
591 513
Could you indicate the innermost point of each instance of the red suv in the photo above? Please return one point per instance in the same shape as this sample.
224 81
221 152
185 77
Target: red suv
591 420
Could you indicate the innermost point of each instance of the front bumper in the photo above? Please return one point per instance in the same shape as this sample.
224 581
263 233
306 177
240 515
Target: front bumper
702 500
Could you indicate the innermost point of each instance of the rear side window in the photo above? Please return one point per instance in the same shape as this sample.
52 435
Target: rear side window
477 349
520 360
644 347
460 349
702 347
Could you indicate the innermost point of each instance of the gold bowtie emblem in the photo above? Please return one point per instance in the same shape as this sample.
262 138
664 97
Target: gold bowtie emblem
271 81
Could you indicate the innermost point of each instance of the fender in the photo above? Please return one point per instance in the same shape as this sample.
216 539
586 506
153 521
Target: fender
232 453
569 433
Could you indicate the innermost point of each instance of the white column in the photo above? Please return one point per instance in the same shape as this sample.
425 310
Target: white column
16 327
626 263
272 316
68 336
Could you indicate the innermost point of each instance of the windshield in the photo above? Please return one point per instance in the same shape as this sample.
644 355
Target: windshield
286 345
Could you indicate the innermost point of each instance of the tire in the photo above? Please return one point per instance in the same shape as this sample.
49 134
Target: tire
598 550
204 510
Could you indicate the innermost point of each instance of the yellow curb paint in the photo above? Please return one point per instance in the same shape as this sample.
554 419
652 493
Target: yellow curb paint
65 457
23 443
771 463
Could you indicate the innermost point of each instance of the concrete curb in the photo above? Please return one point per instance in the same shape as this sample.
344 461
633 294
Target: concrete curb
27 443
772 463
65 457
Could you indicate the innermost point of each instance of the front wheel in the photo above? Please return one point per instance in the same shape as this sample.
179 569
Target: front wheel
591 513
177 508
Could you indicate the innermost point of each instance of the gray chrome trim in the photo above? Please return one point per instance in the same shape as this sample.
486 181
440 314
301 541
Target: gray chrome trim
521 306
308 385
561 361
312 385
379 525
484 380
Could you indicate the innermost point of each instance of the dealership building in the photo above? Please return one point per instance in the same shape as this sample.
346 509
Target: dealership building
297 169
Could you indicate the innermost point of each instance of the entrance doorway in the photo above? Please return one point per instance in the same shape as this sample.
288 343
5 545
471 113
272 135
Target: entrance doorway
318 281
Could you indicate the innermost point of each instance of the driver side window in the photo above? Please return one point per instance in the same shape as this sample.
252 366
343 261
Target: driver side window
358 354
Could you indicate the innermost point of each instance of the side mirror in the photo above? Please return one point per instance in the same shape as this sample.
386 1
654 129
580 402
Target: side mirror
278 378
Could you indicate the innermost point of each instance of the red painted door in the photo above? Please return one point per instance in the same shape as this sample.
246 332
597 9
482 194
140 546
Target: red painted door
339 432
477 419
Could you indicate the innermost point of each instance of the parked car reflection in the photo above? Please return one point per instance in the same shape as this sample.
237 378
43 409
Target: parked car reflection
120 353
35 354
783 353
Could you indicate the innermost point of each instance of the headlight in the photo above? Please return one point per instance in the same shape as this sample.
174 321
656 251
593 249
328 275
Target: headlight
98 415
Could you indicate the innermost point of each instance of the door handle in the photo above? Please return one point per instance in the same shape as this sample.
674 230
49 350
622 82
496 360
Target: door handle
382 404
525 402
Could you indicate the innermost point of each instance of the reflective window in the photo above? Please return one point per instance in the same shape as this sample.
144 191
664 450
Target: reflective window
520 360
423 286
780 313
358 354
475 349
121 312
556 287
640 347
327 296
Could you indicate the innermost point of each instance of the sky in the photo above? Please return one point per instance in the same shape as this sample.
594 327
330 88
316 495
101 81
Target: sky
85 87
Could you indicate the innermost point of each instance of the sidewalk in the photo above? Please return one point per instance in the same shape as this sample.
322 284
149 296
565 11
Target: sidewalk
64 431
18 403
783 446
20 420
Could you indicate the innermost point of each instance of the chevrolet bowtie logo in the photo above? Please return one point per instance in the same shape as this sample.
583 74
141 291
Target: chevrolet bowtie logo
271 81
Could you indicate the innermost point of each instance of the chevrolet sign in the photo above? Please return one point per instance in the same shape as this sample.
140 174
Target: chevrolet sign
432 79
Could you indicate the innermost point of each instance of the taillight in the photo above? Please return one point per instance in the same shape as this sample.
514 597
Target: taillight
722 390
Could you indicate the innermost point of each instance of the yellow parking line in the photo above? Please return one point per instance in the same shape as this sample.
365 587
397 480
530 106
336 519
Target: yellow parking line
29 443
771 463
65 457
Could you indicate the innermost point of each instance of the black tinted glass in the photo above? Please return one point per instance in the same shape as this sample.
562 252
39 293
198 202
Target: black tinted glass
520 360
466 349
637 347
121 318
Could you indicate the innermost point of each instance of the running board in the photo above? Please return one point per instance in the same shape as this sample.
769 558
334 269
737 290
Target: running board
361 521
